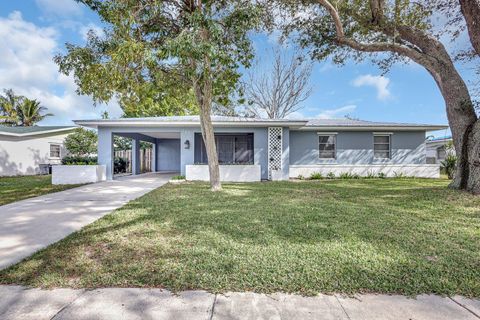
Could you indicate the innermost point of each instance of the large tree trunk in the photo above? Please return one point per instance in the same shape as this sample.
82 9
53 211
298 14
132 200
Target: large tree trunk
464 125
204 99
471 12
432 55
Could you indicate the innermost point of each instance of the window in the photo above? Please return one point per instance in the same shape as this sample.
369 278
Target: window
327 146
381 146
232 148
54 151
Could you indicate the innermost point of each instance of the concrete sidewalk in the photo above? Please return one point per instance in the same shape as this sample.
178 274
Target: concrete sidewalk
29 225
131 303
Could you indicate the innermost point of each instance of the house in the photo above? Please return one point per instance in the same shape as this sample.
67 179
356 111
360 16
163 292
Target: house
30 150
437 149
274 149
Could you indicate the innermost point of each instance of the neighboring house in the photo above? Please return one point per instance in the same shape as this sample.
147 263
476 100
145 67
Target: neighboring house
253 149
29 150
437 149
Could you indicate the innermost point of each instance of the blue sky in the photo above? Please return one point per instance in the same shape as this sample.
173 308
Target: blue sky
33 31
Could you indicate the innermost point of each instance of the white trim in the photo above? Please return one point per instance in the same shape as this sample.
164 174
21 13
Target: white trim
383 143
334 146
390 170
50 144
382 133
361 165
36 133
153 123
372 128
297 125
326 133
233 173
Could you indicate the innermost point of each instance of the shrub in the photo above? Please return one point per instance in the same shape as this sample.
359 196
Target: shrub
120 165
178 178
81 143
331 175
381 175
370 175
79 160
449 165
346 175
300 177
316 176
399 175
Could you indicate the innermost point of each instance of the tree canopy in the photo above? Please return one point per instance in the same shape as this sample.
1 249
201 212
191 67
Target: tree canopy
392 31
166 52
81 142
16 110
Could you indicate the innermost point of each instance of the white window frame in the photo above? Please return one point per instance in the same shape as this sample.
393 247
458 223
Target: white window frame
59 151
389 135
327 134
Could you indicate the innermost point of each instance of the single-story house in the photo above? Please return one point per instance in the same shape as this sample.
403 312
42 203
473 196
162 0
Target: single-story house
437 149
272 149
30 150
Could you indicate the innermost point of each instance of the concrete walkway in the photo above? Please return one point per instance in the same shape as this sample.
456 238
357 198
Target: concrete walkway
127 303
29 225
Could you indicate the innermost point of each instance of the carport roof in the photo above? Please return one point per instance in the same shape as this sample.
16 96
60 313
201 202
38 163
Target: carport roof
300 124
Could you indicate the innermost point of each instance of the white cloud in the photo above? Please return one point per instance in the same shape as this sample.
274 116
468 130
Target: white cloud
61 8
27 67
296 115
85 29
336 113
380 83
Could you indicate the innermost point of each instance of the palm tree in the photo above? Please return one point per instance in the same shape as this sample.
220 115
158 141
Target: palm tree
9 104
29 112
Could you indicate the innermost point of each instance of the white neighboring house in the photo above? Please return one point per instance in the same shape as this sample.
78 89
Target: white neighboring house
436 149
30 150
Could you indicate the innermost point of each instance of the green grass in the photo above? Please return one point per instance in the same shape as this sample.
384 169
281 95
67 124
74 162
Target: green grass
407 236
22 187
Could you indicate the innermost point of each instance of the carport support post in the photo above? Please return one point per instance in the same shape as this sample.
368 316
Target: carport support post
154 156
105 150
135 156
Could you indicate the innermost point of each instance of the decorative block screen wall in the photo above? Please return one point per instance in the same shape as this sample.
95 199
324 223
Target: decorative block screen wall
275 135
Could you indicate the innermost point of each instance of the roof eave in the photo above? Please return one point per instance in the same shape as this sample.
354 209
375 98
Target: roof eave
153 123
376 128
27 134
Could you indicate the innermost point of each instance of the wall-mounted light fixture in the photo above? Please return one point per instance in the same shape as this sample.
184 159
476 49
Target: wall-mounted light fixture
187 144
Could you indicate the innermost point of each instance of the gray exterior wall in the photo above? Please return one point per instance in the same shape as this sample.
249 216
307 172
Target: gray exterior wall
356 147
105 147
299 147
168 155
260 146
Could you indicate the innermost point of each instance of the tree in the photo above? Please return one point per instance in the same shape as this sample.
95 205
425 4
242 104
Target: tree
162 46
81 143
9 104
18 110
399 30
30 112
471 11
280 90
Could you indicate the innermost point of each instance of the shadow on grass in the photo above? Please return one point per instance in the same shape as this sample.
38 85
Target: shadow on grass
391 236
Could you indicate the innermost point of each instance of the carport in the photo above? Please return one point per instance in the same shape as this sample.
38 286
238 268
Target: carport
165 155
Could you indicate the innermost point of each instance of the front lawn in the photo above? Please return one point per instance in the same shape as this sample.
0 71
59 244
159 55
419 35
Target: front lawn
406 236
22 187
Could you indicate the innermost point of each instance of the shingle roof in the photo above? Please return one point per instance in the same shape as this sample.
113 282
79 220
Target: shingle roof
34 130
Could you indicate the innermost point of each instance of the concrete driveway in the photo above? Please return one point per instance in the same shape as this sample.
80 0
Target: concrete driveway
29 225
